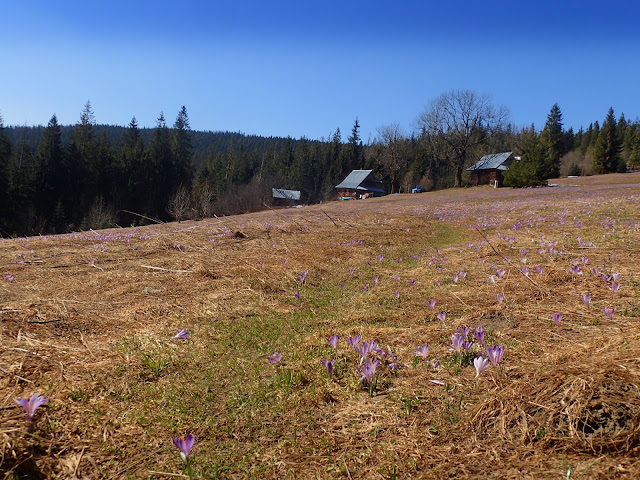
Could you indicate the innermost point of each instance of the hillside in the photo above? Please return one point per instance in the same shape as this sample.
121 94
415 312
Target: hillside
87 320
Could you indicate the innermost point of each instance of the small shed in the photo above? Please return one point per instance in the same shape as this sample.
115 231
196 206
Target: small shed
488 170
360 184
285 198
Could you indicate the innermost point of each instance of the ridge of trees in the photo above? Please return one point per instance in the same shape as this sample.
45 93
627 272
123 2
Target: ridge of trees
55 178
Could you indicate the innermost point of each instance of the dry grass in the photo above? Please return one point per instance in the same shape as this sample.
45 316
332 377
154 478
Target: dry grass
88 319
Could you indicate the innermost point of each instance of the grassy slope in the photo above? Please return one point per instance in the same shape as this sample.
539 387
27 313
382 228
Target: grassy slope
87 322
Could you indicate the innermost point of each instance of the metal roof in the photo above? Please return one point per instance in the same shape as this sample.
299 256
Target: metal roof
495 161
288 194
362 180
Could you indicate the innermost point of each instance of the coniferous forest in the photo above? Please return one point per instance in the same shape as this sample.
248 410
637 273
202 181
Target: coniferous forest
57 178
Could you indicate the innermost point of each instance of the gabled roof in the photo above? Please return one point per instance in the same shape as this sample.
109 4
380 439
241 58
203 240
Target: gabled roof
287 194
495 161
362 180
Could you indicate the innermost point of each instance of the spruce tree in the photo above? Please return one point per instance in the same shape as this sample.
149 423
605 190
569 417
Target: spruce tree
552 138
5 180
182 149
606 153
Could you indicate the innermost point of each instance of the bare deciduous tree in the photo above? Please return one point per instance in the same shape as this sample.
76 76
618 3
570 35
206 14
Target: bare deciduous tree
458 122
394 152
178 206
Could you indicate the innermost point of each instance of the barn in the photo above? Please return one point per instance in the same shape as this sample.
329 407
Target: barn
488 170
285 198
360 184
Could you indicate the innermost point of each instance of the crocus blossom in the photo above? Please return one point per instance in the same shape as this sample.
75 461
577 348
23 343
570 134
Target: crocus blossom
422 351
464 331
441 316
333 341
481 364
586 299
432 303
355 340
368 371
478 333
495 354
457 342
184 444
275 357
556 317
609 311
182 334
31 404
328 365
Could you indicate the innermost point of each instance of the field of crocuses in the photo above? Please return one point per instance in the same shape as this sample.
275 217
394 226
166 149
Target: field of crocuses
467 333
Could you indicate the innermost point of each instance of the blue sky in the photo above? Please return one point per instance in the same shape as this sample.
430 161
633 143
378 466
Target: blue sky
305 68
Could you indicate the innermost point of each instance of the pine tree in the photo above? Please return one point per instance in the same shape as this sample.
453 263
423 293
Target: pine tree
606 153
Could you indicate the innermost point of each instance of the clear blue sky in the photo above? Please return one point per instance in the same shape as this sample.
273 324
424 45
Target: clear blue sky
305 68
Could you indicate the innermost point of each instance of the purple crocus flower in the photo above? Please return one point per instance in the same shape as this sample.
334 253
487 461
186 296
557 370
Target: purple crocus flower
538 269
478 333
31 404
586 299
333 341
368 371
275 357
615 286
184 444
297 294
422 351
432 303
525 270
609 311
380 257
182 334
412 283
500 297
353 341
303 276
396 294
575 270
464 331
8 277
376 279
556 317
328 365
481 364
457 342
495 354
442 316
500 272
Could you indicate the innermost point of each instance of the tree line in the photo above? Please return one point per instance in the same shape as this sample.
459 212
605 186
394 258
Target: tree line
55 179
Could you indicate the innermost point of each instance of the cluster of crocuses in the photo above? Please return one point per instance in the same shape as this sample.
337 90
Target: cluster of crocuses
371 357
466 347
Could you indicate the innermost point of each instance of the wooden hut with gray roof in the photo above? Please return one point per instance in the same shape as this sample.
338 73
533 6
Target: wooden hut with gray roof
360 184
488 170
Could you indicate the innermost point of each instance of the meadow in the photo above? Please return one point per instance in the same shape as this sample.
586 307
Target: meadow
480 333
